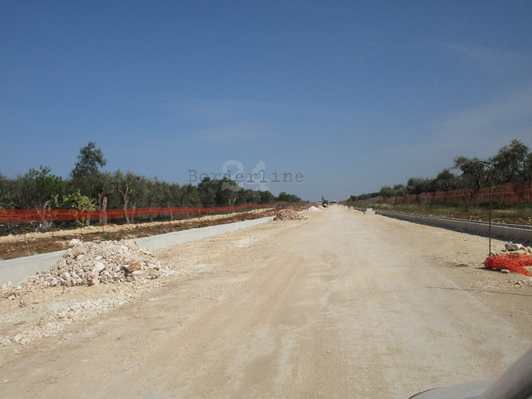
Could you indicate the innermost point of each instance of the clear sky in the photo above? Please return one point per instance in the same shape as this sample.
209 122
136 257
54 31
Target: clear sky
352 95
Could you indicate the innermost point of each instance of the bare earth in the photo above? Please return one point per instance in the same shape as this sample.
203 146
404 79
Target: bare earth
337 305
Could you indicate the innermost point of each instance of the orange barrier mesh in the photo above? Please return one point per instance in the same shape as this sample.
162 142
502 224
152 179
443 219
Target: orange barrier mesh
512 262
511 193
38 215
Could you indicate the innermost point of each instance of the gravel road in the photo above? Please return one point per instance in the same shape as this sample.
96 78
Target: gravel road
337 305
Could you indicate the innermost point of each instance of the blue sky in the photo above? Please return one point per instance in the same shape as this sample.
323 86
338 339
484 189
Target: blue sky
351 95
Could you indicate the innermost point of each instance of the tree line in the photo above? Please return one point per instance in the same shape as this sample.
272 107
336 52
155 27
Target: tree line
511 164
89 188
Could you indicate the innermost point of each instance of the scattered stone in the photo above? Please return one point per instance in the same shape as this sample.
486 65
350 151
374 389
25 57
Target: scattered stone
505 271
512 247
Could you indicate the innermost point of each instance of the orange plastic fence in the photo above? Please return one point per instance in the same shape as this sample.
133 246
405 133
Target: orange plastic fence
512 262
511 193
36 215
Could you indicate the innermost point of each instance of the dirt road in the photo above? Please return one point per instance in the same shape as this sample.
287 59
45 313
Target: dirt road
338 305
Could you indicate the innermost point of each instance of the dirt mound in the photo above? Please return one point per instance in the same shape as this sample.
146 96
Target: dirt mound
314 209
92 263
287 214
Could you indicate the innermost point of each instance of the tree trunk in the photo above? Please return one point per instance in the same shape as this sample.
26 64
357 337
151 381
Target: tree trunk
124 210
103 214
133 208
88 220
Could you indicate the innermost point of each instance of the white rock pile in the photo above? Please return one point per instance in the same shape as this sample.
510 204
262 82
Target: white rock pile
516 249
106 262
313 209
287 214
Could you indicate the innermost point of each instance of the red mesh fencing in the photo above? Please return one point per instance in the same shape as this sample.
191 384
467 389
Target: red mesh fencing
511 262
511 193
38 215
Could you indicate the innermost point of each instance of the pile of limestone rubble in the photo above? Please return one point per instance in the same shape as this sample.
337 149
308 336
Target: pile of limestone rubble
287 214
93 263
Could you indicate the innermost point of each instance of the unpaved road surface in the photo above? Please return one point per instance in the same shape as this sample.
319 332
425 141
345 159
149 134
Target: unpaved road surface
339 305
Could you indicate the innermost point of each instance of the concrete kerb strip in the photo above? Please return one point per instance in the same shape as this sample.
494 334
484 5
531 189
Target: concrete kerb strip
180 237
15 270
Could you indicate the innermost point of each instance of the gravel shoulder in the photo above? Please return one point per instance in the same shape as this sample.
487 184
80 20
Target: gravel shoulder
336 305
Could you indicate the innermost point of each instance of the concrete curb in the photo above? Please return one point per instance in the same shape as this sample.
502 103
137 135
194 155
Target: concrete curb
480 228
180 237
15 270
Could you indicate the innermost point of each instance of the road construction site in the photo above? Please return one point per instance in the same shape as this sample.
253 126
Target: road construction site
337 304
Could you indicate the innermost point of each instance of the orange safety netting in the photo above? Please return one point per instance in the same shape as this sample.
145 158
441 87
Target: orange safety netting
39 215
511 193
511 262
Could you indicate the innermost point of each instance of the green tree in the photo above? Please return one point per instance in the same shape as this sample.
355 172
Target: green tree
511 164
38 189
387 191
139 186
5 200
445 181
284 197
208 189
106 188
86 175
90 160
266 197
474 172
123 184
417 185
190 196
42 187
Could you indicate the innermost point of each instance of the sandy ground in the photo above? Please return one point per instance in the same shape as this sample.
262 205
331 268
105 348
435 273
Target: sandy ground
338 305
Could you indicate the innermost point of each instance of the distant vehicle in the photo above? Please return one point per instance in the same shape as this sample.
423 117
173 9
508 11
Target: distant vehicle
515 383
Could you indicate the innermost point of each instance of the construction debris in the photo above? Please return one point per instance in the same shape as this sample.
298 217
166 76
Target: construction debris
287 214
313 209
